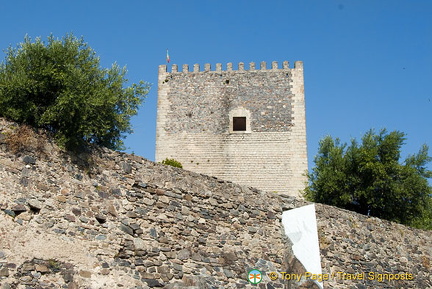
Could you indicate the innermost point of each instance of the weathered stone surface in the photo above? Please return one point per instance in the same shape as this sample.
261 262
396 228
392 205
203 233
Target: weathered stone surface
42 268
126 229
176 229
29 160
101 218
72 285
4 272
17 209
85 274
183 254
127 168
35 204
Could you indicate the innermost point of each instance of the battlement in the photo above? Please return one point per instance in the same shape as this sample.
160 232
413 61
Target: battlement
229 67
218 120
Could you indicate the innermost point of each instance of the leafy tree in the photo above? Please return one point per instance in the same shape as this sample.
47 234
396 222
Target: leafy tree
368 178
59 85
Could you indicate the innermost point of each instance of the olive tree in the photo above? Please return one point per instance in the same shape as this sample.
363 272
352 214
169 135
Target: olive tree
59 85
370 178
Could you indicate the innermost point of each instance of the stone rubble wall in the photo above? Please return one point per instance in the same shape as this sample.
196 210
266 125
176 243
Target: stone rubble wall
123 221
113 220
355 244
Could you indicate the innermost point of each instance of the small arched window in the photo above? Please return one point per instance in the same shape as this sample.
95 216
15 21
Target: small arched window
239 120
239 123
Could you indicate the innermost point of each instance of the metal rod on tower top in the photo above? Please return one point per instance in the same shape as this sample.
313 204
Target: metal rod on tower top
167 57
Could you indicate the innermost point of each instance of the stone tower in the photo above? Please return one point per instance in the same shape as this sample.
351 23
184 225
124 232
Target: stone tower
247 126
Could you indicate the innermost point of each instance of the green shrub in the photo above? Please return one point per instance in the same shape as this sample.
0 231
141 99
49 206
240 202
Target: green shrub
172 162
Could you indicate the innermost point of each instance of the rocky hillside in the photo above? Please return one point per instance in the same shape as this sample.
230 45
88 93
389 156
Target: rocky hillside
105 219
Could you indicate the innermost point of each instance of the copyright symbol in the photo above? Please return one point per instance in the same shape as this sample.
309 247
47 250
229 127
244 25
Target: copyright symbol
273 276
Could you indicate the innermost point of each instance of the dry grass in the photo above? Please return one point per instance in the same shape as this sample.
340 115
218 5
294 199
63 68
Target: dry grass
23 139
425 262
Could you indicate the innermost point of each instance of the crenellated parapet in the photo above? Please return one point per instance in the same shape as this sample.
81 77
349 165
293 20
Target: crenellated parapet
218 119
229 67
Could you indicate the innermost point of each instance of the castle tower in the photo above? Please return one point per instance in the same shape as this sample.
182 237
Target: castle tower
246 126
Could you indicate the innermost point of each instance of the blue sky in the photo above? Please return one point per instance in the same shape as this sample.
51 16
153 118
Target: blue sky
368 63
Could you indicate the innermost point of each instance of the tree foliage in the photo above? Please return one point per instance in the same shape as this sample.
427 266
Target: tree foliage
370 179
60 86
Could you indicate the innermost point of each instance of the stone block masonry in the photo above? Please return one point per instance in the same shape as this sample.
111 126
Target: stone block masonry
198 112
